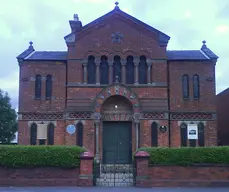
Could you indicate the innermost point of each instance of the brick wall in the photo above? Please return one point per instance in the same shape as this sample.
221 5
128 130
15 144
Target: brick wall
223 117
28 71
50 176
191 176
39 177
179 176
207 100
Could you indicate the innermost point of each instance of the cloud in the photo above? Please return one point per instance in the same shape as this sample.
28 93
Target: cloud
222 29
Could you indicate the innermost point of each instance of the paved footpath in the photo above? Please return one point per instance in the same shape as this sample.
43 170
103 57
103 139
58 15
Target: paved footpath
96 189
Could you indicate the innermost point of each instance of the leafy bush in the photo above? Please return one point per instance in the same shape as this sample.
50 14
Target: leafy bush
188 156
40 156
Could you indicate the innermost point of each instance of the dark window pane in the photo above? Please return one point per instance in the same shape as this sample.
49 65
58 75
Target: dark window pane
48 87
79 135
38 87
201 141
142 70
104 69
130 70
91 70
42 142
192 142
117 68
185 86
154 134
196 87
33 134
51 134
183 134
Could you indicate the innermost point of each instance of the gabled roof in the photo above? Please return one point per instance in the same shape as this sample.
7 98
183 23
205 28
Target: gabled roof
48 55
163 38
26 52
172 55
186 55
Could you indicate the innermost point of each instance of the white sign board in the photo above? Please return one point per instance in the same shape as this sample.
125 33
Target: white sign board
192 131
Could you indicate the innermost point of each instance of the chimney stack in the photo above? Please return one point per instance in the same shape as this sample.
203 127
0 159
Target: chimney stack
75 24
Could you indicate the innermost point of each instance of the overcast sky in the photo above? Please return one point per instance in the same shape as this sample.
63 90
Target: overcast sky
45 22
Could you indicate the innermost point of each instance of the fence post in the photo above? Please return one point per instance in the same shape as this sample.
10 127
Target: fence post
142 168
86 169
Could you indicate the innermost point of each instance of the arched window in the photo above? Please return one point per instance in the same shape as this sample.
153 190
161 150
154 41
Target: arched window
201 141
185 86
48 87
79 134
91 70
142 70
117 68
183 134
38 87
196 87
104 68
33 134
154 134
50 134
130 70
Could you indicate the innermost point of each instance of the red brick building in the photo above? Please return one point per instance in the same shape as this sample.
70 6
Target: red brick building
119 88
222 117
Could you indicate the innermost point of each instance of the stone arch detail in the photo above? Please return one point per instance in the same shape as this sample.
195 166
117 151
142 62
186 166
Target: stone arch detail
117 89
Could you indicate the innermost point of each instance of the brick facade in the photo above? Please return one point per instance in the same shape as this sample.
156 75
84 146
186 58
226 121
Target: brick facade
159 100
222 117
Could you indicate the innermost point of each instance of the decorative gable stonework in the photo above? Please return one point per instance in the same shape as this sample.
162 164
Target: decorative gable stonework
117 69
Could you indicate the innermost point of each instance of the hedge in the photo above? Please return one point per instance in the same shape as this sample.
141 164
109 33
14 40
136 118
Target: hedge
188 156
40 156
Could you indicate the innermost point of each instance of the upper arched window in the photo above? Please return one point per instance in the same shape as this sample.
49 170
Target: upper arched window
196 87
104 68
185 86
130 70
91 70
48 87
117 68
142 70
38 87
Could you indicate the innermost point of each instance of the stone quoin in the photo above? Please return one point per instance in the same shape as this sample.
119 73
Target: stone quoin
120 87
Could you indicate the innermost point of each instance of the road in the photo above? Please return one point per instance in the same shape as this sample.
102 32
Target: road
96 189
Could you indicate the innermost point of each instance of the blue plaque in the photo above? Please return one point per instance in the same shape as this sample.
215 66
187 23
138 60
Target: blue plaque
71 129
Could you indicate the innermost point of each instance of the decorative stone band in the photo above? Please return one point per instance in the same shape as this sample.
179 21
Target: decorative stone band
155 115
193 116
41 116
78 115
54 116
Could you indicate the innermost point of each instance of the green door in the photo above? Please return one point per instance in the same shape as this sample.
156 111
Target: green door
117 147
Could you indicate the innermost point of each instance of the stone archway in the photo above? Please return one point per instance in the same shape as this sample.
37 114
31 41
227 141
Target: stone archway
117 108
117 89
125 115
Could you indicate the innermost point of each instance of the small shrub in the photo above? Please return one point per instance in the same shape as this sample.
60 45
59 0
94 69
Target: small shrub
188 156
40 156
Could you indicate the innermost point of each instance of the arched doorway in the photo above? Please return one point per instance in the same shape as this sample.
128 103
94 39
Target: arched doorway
117 114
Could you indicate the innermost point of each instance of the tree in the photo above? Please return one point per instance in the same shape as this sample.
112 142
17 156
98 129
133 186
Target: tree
8 119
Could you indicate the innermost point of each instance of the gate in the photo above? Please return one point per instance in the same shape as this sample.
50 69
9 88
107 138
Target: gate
114 175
